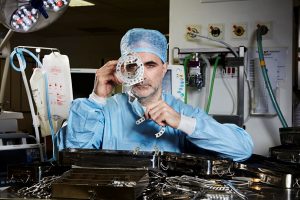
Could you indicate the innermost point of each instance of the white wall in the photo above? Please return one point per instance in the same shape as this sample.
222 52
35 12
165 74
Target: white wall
264 130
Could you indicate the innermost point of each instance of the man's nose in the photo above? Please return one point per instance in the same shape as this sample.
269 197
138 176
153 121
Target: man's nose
145 75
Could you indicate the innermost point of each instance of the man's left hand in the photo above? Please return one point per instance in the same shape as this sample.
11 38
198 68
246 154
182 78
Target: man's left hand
163 114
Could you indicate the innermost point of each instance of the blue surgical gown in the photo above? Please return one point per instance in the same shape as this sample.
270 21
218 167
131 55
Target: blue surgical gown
113 126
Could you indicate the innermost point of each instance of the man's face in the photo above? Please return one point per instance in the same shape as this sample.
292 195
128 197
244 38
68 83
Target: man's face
154 71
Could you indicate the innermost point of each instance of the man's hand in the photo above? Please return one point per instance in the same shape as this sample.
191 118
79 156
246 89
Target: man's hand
106 79
163 114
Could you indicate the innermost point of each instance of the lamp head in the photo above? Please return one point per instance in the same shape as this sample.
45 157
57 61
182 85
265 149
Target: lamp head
32 15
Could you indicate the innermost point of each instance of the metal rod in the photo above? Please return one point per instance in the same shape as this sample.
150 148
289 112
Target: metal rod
6 66
44 48
3 82
6 38
240 88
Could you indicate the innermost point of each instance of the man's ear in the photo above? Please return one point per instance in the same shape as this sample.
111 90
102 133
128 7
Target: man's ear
165 67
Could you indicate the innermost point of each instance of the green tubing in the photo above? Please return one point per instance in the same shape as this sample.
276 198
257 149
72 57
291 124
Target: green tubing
185 65
267 80
212 85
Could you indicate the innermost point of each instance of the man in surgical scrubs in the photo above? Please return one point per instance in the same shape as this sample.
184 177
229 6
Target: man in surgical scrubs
103 122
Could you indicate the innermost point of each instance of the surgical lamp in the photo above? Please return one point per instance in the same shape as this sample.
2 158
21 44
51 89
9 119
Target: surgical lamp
26 16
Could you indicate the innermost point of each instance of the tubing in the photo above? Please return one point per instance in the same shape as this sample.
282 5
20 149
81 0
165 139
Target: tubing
19 53
22 68
207 76
266 77
219 41
185 65
212 85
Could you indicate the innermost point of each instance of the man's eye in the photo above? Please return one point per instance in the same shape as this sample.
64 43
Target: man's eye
131 67
150 66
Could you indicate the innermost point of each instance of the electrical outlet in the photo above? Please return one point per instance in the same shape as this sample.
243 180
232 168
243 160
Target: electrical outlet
269 32
194 29
216 31
239 31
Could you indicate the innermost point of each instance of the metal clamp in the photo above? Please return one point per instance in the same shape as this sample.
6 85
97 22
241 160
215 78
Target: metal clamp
139 121
161 132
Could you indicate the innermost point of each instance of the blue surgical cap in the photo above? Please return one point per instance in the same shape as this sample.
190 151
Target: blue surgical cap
144 40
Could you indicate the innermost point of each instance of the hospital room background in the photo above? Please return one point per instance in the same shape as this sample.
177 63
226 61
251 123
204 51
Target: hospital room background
239 95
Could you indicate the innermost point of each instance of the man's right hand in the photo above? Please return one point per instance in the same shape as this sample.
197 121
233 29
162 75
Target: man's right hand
106 79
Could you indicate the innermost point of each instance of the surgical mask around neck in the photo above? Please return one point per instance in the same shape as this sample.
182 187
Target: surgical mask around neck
140 111
135 104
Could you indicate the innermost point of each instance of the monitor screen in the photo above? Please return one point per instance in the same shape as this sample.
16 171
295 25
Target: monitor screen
167 82
82 81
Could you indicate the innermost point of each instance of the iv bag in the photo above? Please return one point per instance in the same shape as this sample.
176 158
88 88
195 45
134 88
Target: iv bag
57 67
57 70
37 84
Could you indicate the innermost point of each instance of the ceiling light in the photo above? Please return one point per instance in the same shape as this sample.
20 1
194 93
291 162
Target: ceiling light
78 3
